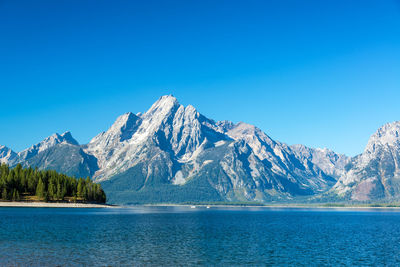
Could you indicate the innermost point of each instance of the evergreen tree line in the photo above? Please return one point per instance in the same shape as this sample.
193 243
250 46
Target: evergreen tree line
47 185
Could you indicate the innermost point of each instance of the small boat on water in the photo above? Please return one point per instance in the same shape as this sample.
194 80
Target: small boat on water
208 207
192 207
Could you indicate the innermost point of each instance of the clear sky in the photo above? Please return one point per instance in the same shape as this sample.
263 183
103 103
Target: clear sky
320 73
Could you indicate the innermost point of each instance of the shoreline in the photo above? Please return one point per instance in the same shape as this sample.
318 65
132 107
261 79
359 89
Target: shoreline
52 205
265 206
92 205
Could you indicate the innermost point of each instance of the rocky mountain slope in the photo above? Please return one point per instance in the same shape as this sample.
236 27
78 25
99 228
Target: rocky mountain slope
329 162
175 145
7 155
59 152
374 174
172 153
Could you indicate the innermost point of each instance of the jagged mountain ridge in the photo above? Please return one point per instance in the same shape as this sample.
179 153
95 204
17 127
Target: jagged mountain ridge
59 152
331 163
172 127
174 151
46 144
251 165
7 155
374 174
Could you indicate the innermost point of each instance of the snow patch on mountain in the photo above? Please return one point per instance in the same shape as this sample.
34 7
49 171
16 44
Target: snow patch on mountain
180 131
7 156
386 136
46 144
375 173
330 162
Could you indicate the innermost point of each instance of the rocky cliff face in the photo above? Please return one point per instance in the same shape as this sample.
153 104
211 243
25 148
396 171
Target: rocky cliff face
59 152
375 174
47 143
7 155
181 132
329 162
175 145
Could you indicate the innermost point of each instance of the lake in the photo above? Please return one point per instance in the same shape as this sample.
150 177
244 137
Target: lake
171 236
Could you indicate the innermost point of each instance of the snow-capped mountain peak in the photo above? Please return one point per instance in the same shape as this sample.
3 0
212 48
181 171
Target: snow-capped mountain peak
122 121
175 128
67 138
46 144
7 155
163 106
374 174
387 135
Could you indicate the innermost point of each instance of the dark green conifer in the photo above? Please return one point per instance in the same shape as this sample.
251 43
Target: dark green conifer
80 188
40 190
4 195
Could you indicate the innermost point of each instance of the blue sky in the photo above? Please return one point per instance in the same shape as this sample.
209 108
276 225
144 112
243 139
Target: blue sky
320 73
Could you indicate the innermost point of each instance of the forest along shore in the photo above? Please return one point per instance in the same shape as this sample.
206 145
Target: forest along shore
33 185
54 205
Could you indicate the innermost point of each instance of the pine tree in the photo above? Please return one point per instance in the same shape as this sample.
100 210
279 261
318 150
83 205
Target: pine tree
80 188
59 192
32 184
46 197
52 191
40 189
14 195
23 183
64 191
4 195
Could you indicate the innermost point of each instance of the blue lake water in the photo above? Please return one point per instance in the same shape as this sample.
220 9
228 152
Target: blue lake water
172 236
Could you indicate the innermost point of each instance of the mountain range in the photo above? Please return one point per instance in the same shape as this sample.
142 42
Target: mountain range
174 154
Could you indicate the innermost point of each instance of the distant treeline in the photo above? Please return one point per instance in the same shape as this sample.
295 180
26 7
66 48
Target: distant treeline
46 185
